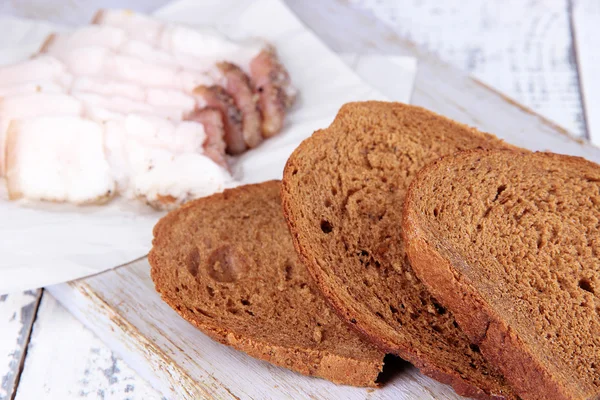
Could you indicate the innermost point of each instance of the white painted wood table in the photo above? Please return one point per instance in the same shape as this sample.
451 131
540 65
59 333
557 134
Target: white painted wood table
542 54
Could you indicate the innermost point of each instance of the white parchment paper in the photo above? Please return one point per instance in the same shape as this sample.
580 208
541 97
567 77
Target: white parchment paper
43 244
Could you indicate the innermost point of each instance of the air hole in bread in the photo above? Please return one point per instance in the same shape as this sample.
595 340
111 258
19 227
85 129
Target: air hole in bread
245 302
394 310
288 270
327 203
499 191
439 309
474 347
333 191
326 226
201 311
192 262
225 265
211 291
586 285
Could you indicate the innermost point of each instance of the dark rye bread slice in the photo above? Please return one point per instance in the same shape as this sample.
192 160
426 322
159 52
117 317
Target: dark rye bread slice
511 244
227 264
342 193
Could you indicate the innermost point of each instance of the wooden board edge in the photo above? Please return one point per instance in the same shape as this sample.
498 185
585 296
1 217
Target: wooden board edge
545 121
148 360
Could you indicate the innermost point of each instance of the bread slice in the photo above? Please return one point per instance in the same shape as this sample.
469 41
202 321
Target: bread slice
342 192
510 243
226 263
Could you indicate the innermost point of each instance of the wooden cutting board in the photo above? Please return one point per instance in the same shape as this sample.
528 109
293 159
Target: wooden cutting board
122 308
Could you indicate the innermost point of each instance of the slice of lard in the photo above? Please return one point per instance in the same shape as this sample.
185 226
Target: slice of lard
59 159
125 105
40 68
204 44
145 28
116 39
161 162
148 132
31 105
165 180
90 35
155 97
42 86
104 62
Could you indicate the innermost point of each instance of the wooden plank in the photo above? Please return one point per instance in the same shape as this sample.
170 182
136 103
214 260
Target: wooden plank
521 48
439 86
184 363
586 29
17 313
66 361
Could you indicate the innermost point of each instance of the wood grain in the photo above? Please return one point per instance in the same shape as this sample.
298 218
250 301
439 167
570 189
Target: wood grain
523 49
17 313
586 27
66 361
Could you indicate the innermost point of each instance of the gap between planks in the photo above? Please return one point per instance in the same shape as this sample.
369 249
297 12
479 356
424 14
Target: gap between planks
67 361
17 312
585 18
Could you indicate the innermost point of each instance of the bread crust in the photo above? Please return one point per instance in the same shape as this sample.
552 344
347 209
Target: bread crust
435 264
334 368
